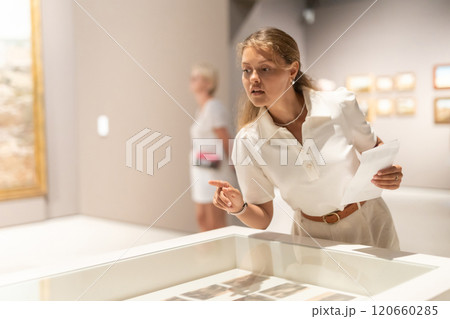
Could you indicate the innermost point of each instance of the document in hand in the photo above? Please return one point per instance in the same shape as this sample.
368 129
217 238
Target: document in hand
360 187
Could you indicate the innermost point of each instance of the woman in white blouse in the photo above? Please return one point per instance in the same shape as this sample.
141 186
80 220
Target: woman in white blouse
285 115
212 122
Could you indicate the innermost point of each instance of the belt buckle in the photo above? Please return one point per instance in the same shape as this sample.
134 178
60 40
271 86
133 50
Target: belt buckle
324 217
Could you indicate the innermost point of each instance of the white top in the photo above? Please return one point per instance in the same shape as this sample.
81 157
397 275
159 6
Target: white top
311 181
212 115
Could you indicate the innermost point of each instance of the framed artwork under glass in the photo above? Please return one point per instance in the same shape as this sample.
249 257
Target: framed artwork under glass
442 110
384 83
385 107
359 83
441 76
405 81
22 146
405 106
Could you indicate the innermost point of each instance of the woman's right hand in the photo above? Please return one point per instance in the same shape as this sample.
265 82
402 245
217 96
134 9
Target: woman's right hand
227 197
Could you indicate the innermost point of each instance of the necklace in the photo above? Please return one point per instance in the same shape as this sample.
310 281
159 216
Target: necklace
298 116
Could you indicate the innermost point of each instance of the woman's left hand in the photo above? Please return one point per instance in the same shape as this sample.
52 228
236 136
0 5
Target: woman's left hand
388 178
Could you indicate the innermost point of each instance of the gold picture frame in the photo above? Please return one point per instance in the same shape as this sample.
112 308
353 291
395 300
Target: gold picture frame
385 107
22 152
405 105
441 76
405 81
359 83
384 83
442 110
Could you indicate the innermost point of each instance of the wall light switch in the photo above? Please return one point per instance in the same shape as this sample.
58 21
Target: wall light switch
103 125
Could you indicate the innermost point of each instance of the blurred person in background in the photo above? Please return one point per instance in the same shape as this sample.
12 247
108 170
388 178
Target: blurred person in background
213 122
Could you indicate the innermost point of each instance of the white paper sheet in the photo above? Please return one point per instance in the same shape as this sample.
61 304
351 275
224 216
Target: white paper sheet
360 187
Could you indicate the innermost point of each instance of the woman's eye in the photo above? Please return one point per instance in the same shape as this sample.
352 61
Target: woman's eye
265 69
246 70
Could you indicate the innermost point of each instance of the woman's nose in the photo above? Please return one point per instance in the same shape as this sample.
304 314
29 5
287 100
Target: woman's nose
254 77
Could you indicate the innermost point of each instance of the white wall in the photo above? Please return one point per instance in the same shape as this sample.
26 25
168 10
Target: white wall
421 218
393 36
60 122
60 107
166 37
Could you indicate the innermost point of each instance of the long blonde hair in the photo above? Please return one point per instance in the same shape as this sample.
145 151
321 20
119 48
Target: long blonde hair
282 47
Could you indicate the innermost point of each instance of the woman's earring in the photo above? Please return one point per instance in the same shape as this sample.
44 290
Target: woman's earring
293 82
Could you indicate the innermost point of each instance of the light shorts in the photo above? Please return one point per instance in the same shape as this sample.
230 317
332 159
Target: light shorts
370 225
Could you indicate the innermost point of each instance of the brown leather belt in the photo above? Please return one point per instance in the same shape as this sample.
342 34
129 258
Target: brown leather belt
335 216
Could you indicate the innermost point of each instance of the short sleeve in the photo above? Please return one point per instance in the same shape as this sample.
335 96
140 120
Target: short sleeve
216 114
361 132
255 186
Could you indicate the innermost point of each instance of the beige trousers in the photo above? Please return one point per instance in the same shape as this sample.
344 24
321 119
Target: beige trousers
370 225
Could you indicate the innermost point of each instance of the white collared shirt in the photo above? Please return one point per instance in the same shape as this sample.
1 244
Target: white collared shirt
266 155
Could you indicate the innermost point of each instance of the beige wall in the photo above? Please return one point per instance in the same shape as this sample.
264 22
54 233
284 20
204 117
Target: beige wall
394 36
166 37
60 122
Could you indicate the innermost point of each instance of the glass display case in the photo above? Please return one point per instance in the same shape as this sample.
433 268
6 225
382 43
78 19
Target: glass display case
238 263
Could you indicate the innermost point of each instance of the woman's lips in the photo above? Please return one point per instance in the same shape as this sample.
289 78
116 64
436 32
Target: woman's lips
257 92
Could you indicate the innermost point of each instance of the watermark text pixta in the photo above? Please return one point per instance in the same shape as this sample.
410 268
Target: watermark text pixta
213 148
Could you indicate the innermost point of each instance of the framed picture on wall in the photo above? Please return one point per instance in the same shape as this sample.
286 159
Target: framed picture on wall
442 110
441 76
384 83
359 83
405 106
385 106
22 144
405 81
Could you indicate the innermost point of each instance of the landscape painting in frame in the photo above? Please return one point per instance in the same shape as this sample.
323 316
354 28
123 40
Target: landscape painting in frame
442 110
442 76
385 107
405 81
22 153
384 83
359 83
405 106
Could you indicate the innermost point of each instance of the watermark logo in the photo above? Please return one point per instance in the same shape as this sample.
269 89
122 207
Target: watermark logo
142 143
212 149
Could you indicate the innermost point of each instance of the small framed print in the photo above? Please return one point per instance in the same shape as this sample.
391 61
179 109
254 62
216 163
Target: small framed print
384 83
359 83
441 76
405 106
385 107
442 110
405 81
